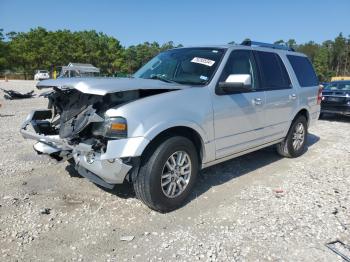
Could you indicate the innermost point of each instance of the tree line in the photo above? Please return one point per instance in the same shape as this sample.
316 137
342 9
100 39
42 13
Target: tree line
42 49
330 58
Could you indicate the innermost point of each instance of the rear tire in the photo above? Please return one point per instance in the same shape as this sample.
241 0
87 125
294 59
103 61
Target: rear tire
167 174
295 142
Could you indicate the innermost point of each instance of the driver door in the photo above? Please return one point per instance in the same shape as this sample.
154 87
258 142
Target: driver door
239 118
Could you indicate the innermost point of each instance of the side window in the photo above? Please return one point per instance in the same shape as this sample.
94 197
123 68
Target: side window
304 71
241 62
272 70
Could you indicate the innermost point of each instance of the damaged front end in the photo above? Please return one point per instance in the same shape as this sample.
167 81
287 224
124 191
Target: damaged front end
74 127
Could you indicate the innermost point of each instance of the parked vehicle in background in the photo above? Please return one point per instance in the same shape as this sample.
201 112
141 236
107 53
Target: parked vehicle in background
336 98
41 75
324 84
186 109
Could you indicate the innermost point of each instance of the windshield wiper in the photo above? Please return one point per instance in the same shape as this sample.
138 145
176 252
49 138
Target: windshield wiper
191 83
158 77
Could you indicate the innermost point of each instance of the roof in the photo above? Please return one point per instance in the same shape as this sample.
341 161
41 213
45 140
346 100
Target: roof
240 46
80 64
81 67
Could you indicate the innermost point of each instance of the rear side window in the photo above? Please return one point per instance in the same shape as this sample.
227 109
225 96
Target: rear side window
303 70
272 70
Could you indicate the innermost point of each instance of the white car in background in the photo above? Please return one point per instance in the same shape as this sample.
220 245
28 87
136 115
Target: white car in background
41 75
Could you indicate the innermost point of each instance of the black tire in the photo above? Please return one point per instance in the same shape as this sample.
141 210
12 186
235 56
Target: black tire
147 184
286 148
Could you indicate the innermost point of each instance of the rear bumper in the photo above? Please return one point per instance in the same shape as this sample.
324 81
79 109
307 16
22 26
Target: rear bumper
103 168
342 110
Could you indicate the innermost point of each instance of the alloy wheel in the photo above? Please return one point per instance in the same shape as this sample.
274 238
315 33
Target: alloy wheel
298 136
176 174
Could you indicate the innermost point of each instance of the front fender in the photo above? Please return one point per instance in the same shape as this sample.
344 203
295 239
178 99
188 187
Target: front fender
160 127
147 117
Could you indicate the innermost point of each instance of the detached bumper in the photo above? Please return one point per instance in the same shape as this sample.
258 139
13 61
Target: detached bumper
103 168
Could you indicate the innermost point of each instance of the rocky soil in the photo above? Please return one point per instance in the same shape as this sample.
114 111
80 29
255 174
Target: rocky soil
259 207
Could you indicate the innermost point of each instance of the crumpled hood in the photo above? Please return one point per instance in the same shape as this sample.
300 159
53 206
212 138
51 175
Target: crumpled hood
103 86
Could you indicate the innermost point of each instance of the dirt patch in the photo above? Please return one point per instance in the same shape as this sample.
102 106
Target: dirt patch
256 207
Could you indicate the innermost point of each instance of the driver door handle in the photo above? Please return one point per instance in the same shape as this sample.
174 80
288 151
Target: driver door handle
292 96
257 101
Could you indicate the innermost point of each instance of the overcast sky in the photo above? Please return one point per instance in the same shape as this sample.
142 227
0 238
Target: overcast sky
188 22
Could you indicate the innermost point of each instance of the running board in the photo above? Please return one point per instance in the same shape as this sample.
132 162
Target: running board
223 159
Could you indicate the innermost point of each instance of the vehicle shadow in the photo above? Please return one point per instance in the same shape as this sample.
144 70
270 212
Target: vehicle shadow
311 140
231 169
215 175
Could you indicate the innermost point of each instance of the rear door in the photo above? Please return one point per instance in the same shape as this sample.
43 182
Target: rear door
281 98
239 118
308 84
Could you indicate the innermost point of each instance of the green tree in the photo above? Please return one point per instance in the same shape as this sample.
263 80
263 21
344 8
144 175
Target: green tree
339 54
321 63
279 42
3 51
43 49
310 49
292 43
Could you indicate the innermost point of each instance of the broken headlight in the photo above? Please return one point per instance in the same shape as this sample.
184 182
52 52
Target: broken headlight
114 127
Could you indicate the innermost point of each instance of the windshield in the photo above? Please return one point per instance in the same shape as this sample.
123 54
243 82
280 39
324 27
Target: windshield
193 66
43 71
338 86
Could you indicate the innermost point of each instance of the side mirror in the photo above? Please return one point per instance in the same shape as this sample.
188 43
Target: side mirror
235 84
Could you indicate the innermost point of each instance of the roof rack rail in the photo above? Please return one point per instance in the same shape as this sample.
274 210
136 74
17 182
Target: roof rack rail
273 46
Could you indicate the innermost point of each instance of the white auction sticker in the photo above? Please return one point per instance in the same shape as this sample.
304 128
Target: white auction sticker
203 61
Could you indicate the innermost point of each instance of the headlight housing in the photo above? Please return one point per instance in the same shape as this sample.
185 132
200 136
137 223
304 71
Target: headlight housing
113 127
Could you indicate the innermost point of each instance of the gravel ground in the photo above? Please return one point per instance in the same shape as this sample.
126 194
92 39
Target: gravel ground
258 207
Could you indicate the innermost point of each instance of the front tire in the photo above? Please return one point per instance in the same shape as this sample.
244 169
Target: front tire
295 142
167 174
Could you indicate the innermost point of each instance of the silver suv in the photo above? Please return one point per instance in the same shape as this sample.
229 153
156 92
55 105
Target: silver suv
185 110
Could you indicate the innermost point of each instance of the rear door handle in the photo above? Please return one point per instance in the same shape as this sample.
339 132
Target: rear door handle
292 96
257 101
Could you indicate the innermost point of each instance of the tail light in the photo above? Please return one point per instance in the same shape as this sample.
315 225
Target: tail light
319 95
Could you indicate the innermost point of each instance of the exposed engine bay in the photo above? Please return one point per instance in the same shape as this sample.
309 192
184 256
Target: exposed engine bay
77 118
75 126
74 111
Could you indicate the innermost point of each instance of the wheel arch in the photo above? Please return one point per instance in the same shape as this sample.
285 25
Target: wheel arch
303 112
182 130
